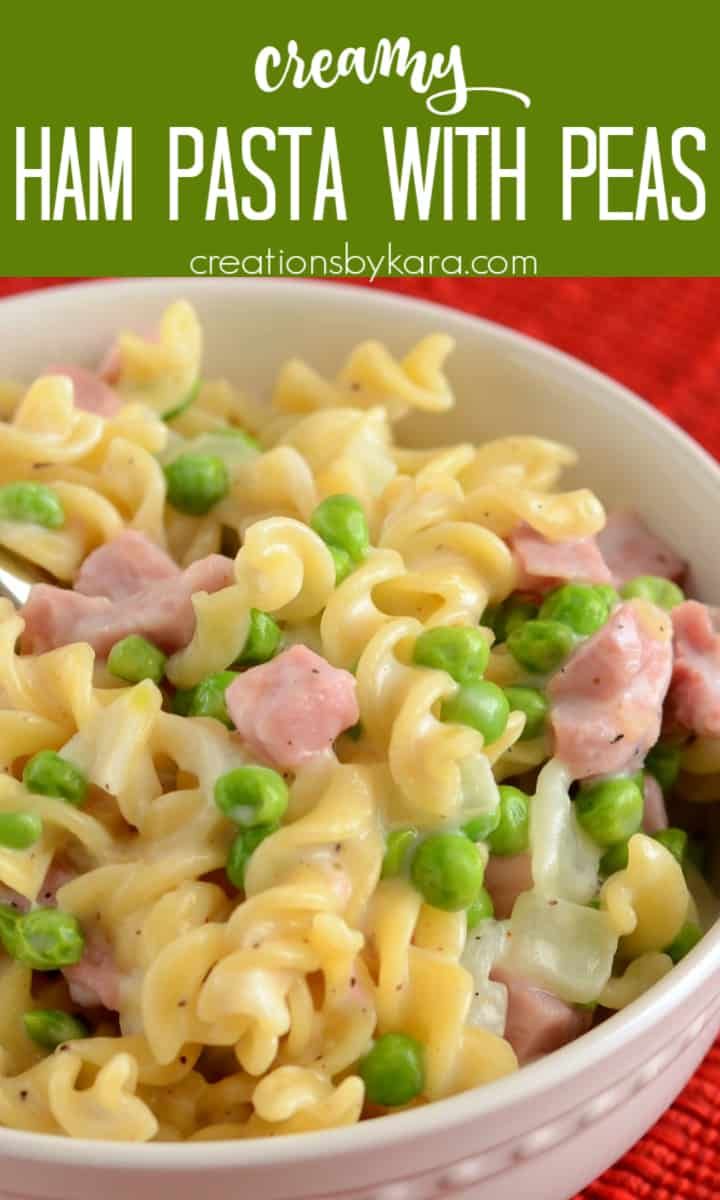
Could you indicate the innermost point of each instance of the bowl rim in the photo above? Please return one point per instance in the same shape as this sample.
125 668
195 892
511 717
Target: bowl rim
558 1068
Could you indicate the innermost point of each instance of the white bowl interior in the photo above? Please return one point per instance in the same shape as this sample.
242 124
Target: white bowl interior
504 384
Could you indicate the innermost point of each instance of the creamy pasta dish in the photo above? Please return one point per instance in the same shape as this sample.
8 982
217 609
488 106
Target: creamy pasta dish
337 777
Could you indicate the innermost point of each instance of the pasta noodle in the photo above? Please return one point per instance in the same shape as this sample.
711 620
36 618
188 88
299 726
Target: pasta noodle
648 901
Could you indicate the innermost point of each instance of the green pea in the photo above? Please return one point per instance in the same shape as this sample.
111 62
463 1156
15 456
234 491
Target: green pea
578 605
51 1027
614 859
610 810
196 482
540 646
482 705
242 848
264 638
134 658
609 595
340 521
32 504
398 844
44 939
344 565
688 937
252 796
240 435
460 650
181 702
531 702
479 828
393 1071
48 774
481 908
663 761
505 618
512 834
674 840
654 588
208 697
19 830
189 398
447 871
232 446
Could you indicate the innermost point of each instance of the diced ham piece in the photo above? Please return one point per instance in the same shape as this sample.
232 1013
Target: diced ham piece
124 566
505 878
57 874
13 898
630 549
292 707
95 980
538 1022
162 612
210 574
90 392
655 815
543 563
694 700
606 702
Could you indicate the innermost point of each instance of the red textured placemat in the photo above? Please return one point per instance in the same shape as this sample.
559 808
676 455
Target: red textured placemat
662 338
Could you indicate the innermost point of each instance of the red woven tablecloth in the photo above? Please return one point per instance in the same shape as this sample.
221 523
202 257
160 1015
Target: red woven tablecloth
661 337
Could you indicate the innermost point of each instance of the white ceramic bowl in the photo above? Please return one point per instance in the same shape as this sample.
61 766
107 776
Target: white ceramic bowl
547 1130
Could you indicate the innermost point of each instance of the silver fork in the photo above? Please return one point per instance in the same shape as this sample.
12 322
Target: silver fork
17 577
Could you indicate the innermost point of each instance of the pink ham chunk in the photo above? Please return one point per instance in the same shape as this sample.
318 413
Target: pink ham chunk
58 873
543 563
630 549
162 612
90 392
606 702
505 878
538 1022
12 898
124 566
95 980
694 700
655 815
210 574
292 707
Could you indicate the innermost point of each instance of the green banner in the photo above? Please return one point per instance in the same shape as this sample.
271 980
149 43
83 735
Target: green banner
396 139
